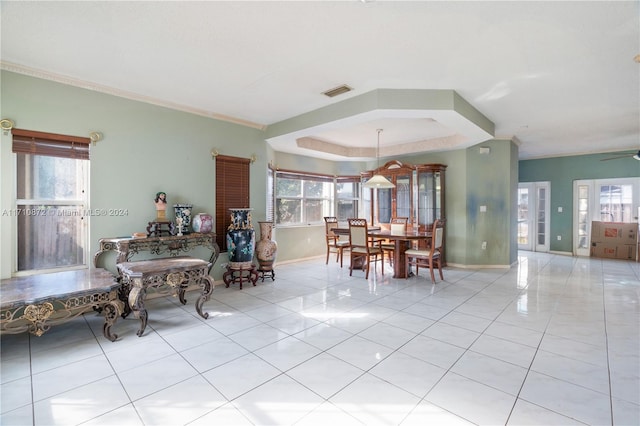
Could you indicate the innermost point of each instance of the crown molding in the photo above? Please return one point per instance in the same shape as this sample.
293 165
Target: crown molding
58 78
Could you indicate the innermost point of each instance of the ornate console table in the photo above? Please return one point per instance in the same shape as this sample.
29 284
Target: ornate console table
34 303
176 272
171 245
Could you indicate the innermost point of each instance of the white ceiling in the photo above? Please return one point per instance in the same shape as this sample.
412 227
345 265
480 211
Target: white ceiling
560 77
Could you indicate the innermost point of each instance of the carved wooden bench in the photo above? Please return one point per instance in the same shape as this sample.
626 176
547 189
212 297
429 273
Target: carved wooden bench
35 303
178 273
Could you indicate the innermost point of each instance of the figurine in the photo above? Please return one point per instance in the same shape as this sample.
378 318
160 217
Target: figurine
161 207
179 223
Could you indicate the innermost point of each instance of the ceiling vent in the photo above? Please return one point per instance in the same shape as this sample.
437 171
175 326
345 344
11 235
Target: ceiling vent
337 91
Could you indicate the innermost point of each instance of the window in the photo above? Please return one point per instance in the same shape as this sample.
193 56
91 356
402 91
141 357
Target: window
232 191
602 200
616 203
303 199
347 197
51 200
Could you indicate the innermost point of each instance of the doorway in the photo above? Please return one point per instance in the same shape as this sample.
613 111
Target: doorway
533 216
604 200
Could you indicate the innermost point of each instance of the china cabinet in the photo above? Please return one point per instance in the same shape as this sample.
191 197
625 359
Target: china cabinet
419 195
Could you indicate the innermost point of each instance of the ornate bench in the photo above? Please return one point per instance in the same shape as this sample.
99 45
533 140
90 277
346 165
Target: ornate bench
176 272
35 303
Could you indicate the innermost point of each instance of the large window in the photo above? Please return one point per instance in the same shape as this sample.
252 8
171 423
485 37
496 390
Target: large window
304 199
51 200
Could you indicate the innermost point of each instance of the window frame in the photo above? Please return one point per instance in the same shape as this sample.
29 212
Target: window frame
332 199
44 144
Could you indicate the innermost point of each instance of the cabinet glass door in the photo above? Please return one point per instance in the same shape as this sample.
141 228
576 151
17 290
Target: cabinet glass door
403 196
429 198
384 205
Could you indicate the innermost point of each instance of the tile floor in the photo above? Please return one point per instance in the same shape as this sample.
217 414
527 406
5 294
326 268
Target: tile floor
551 341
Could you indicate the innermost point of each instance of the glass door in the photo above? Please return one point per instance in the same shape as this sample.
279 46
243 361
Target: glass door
603 200
533 216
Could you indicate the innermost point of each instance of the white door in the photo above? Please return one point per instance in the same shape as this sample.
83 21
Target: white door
533 216
604 200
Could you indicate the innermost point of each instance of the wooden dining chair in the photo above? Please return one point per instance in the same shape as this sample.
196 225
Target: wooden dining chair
334 244
431 257
361 247
397 225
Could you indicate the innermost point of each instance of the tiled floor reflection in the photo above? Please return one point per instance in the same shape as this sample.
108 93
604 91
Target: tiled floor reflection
554 340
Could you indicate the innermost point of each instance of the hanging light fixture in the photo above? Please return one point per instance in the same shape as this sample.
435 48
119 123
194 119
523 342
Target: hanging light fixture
378 181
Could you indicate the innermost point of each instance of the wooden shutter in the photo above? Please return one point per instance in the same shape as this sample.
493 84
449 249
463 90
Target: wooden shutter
51 144
232 191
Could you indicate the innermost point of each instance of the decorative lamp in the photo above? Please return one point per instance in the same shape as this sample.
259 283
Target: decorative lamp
378 181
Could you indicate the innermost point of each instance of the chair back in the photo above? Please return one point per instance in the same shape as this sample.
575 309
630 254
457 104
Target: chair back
330 223
398 228
438 235
400 220
358 232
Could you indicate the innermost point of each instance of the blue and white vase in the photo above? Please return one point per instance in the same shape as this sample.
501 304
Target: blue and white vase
183 211
241 239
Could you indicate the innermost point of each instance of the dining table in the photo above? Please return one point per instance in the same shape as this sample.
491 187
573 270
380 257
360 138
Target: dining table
402 241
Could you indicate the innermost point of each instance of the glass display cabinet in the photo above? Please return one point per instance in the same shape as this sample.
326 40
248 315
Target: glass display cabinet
418 194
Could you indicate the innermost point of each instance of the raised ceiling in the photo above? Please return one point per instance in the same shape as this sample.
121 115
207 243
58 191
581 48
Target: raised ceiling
558 77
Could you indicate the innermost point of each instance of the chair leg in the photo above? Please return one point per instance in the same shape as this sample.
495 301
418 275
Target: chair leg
351 266
366 275
433 278
440 269
328 251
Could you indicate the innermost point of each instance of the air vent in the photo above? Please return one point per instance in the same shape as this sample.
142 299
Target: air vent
337 91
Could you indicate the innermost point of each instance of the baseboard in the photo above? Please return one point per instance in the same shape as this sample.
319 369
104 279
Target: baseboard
459 265
561 253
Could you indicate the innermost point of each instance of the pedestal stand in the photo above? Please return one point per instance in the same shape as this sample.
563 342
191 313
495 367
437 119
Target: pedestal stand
159 229
267 272
239 275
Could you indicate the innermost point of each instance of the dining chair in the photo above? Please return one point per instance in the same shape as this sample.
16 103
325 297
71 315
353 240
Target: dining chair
398 225
333 240
361 247
431 257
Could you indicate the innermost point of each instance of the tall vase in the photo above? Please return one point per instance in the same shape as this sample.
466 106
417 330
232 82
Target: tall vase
183 211
241 239
266 249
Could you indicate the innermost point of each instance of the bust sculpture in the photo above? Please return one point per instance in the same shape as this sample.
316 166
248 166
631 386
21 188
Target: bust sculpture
161 206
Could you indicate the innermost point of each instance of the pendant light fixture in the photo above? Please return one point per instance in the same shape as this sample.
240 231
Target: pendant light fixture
378 181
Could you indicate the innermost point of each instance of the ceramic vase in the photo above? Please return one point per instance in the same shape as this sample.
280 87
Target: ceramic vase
241 239
183 211
266 248
202 222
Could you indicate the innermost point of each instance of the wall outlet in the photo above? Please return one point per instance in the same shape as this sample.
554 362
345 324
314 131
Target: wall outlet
559 237
484 245
224 265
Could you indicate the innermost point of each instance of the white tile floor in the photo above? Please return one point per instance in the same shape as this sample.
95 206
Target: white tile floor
552 341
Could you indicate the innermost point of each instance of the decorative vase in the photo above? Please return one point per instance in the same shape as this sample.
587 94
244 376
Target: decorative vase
241 239
183 211
266 248
202 222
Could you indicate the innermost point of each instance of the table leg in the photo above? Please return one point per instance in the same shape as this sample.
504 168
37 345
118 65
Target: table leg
111 313
207 288
136 301
123 295
399 267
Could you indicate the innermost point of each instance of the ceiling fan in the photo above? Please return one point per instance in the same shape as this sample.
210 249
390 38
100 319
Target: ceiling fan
635 155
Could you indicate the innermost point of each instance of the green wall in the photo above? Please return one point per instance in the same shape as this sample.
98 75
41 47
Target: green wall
145 149
561 172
